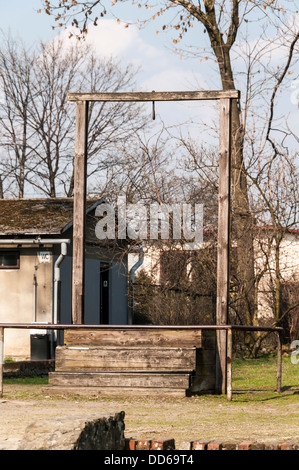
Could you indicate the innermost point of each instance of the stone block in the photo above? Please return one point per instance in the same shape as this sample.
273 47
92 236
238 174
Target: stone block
96 432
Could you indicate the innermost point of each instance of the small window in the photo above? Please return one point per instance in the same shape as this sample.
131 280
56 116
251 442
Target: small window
9 259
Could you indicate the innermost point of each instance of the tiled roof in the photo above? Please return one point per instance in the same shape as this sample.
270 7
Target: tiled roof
37 216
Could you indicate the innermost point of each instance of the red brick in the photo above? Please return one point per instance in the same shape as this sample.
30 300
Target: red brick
245 445
229 446
131 444
200 445
258 446
185 445
143 444
290 445
163 444
272 446
215 446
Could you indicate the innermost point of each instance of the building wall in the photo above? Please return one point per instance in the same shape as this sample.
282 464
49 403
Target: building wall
17 295
289 269
17 289
151 261
17 299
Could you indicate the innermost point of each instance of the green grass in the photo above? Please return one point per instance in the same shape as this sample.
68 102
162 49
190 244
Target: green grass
25 381
253 379
261 372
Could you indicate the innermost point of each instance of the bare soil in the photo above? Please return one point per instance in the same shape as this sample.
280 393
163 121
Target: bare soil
262 418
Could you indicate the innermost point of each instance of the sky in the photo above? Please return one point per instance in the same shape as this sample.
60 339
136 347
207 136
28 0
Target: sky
161 69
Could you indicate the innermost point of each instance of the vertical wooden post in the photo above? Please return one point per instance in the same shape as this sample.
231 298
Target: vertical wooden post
229 359
79 215
279 362
1 360
223 239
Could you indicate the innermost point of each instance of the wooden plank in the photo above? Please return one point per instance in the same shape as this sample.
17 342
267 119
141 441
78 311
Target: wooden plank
79 214
155 96
115 379
116 392
223 238
128 359
135 337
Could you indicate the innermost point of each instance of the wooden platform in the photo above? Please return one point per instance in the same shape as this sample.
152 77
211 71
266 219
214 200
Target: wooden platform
135 361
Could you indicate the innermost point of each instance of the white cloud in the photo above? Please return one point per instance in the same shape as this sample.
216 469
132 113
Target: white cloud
174 79
111 39
160 69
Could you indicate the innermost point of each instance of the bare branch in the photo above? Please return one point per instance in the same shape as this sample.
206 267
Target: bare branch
278 84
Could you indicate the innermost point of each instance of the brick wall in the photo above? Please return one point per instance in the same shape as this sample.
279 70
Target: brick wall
169 444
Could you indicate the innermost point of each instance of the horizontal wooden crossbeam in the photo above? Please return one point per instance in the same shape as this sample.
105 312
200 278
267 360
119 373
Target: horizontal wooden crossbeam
156 96
52 326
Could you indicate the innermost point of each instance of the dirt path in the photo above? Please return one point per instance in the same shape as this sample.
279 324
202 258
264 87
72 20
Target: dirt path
208 417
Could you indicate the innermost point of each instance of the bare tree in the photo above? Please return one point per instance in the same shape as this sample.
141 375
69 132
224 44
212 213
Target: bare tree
15 132
37 121
222 22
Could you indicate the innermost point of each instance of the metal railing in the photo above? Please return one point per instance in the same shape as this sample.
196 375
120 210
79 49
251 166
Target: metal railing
229 329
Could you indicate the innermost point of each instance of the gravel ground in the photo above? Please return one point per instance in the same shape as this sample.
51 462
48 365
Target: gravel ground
208 417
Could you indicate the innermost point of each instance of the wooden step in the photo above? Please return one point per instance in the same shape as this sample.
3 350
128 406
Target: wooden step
130 359
145 337
96 392
124 379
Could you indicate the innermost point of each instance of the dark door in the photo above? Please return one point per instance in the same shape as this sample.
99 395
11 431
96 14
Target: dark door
92 294
104 296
